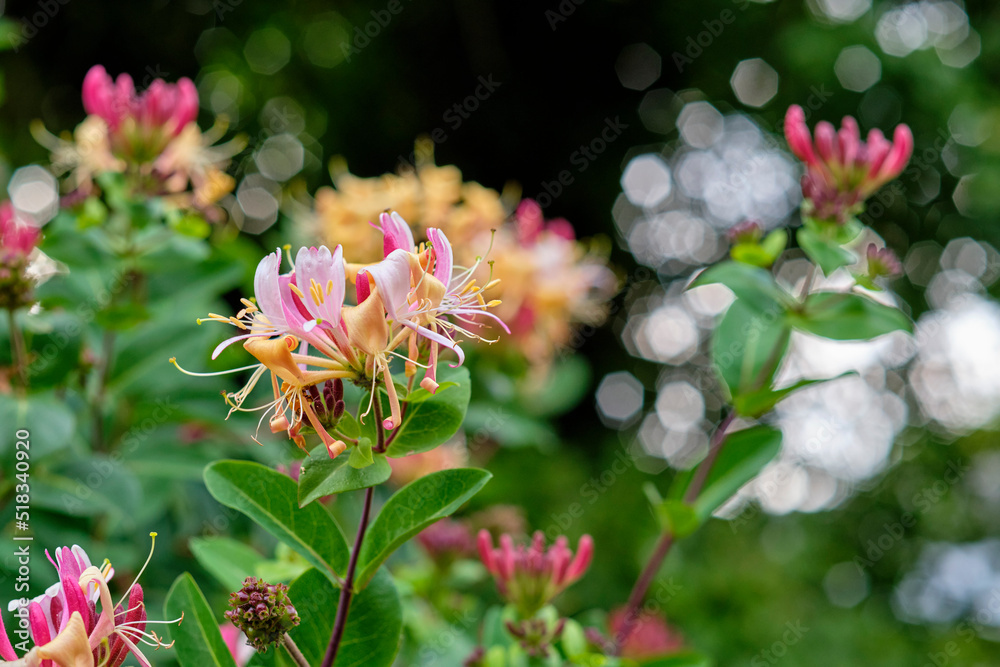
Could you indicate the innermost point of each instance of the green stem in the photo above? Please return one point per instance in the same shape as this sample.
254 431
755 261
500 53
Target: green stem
294 651
645 580
344 603
18 350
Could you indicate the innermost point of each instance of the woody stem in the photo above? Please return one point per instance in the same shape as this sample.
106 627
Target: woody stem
19 356
645 580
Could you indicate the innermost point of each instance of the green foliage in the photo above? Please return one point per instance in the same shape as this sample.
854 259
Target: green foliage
322 476
432 419
843 316
373 627
744 455
271 500
198 640
229 561
414 507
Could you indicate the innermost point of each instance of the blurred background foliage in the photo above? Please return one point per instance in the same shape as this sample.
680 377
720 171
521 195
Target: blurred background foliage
305 84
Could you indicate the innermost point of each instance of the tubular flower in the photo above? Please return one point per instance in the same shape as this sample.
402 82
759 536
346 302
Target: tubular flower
68 631
552 282
882 262
414 293
17 242
841 170
531 576
425 292
139 125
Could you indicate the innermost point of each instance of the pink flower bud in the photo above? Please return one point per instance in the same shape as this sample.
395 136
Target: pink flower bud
826 141
797 134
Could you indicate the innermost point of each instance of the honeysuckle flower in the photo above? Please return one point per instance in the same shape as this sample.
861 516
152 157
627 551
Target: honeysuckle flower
17 239
69 648
82 159
140 126
294 311
68 631
447 540
530 576
425 293
195 158
841 170
882 262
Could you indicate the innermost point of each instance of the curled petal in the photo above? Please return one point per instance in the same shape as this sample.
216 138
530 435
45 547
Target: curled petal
443 254
396 233
267 289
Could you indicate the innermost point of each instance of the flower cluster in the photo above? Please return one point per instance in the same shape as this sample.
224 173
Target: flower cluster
262 611
530 576
553 283
153 137
841 170
64 623
17 241
302 332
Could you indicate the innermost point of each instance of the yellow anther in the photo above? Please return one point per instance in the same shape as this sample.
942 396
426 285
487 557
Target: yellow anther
295 288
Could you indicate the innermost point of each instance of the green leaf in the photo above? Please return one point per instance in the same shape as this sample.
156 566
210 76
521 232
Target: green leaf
677 517
825 252
348 425
761 254
226 559
322 476
199 642
371 637
432 420
271 499
754 285
844 316
757 403
414 507
743 455
748 345
361 454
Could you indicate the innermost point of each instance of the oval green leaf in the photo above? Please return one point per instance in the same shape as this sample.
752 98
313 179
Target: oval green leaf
229 561
433 418
271 499
845 316
322 476
198 640
414 507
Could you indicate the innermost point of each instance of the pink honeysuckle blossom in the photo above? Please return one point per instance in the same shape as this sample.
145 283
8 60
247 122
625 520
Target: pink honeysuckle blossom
17 239
530 576
438 305
68 631
162 105
841 170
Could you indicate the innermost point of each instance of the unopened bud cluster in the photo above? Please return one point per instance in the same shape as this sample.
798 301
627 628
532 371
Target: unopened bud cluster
262 611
